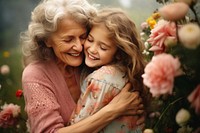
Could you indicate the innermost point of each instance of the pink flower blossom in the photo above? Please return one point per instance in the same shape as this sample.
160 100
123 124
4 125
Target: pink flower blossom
160 72
144 25
8 115
194 98
174 11
163 29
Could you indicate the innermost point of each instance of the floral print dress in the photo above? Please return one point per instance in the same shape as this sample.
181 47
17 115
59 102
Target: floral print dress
98 89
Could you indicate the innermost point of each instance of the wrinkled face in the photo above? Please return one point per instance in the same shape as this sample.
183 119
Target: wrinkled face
67 42
98 48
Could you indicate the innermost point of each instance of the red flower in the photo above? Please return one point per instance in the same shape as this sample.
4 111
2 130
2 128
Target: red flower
194 99
19 93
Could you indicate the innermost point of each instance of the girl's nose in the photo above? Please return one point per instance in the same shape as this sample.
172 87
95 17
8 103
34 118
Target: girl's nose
93 48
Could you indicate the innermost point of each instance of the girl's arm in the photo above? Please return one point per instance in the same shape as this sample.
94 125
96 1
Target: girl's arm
125 103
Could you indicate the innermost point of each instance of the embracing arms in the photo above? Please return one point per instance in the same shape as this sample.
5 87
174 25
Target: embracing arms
125 103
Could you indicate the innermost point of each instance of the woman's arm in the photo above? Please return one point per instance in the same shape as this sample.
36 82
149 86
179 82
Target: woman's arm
125 103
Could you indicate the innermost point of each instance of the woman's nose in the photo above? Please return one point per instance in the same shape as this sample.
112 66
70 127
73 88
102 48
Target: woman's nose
78 45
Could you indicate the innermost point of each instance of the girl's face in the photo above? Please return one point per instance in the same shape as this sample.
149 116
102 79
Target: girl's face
67 42
98 48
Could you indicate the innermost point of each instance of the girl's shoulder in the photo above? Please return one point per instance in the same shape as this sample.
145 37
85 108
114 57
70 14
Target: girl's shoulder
109 69
109 74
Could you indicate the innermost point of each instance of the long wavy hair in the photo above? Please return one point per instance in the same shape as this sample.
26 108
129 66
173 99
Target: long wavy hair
44 21
124 34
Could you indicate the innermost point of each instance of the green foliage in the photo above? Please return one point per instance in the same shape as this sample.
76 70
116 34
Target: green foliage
10 83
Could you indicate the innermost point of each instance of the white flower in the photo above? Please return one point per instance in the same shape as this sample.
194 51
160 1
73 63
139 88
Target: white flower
184 129
142 34
182 117
148 131
189 35
146 44
5 69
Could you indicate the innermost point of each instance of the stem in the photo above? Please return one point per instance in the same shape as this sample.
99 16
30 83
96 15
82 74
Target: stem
172 103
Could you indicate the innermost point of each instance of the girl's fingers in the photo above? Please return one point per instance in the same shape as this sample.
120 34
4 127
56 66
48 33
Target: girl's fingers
126 87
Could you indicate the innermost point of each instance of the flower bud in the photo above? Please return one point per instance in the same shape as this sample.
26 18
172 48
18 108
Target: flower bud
174 11
182 117
148 131
170 41
189 35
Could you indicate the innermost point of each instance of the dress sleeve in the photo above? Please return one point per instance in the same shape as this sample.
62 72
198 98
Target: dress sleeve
42 108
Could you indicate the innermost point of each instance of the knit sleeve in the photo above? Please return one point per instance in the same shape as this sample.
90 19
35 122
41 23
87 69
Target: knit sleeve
42 108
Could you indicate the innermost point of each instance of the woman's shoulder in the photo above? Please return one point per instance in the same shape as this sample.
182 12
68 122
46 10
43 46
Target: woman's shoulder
37 70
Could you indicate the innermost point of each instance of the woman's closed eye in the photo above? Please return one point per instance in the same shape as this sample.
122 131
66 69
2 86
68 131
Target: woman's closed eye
68 39
90 39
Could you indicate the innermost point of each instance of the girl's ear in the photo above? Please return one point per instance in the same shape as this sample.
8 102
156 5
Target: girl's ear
118 55
48 42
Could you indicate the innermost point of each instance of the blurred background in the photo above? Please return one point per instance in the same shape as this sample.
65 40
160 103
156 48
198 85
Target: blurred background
14 18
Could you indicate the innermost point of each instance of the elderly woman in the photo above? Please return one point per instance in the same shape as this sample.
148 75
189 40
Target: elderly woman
52 51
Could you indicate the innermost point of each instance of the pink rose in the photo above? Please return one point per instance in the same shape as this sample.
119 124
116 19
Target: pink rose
163 30
194 98
174 11
160 72
8 116
6 119
144 25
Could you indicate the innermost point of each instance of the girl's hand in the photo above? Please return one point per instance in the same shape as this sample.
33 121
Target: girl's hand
127 103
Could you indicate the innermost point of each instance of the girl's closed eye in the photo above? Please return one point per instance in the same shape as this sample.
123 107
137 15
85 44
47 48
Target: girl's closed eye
103 47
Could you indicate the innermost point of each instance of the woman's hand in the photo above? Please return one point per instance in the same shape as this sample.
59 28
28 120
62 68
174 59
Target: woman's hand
127 103
141 121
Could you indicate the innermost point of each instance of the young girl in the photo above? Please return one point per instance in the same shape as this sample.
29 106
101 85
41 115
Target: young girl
113 57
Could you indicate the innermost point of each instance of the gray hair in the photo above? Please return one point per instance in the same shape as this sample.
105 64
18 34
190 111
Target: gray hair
44 20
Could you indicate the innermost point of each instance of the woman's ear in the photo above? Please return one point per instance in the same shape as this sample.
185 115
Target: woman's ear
48 42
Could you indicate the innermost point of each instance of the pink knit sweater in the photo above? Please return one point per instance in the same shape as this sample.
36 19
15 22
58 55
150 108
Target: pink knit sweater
48 100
